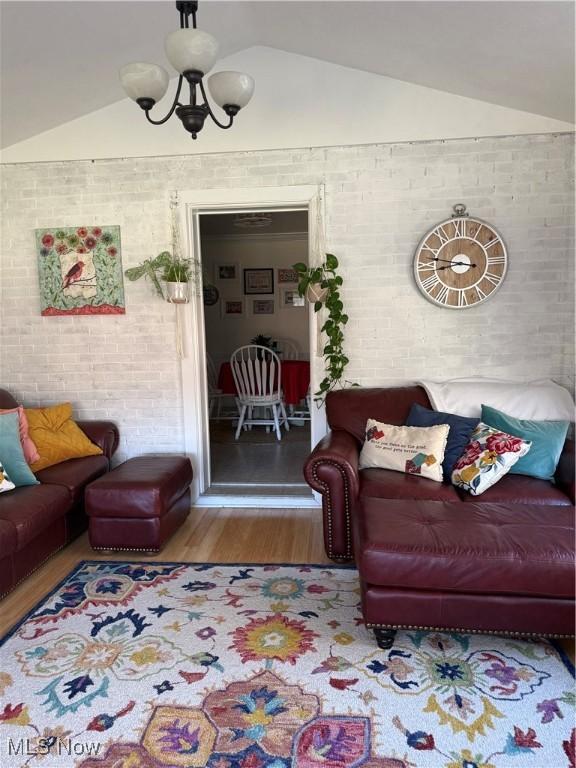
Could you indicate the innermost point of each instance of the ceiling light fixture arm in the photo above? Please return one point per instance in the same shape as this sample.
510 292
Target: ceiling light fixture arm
231 111
147 105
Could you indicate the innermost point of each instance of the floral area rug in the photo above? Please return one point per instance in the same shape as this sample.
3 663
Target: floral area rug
164 665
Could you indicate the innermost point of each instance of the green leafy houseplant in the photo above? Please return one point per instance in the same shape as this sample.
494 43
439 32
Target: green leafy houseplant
176 270
263 341
325 278
162 267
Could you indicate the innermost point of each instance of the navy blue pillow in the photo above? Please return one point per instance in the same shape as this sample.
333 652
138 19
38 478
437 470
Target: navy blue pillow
461 428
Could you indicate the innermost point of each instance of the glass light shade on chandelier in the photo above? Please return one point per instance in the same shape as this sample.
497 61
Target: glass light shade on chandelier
192 53
144 81
231 88
191 50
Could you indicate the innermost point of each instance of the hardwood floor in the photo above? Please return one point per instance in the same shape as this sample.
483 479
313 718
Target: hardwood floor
209 535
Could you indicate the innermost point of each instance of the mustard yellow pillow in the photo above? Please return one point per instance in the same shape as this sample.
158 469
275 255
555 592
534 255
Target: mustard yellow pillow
56 436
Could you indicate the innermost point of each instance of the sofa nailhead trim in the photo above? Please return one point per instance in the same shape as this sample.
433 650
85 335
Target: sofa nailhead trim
126 549
508 633
326 503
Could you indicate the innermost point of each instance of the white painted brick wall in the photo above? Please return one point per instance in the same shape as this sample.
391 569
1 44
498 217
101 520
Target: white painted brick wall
380 199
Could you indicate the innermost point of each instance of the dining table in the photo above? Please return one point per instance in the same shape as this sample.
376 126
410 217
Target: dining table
294 377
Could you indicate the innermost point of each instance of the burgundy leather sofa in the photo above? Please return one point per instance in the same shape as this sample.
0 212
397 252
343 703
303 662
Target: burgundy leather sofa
38 520
431 556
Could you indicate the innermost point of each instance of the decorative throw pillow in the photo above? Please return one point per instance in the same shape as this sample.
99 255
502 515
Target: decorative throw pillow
460 430
12 453
57 437
414 450
547 438
489 455
5 483
30 452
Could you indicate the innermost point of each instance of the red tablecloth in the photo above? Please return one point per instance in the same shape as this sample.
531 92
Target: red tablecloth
295 380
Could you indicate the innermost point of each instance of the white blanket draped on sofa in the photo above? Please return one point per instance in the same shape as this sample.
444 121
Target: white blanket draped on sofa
541 400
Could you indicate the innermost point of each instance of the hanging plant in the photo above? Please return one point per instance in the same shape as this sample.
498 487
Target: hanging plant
176 270
163 267
169 267
150 269
321 286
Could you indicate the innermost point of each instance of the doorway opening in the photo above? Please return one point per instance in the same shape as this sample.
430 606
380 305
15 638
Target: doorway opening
250 297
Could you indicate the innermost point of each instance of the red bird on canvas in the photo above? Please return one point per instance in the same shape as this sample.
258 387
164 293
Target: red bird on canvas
74 273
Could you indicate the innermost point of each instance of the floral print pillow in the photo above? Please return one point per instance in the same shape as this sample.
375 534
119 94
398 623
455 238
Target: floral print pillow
5 483
489 455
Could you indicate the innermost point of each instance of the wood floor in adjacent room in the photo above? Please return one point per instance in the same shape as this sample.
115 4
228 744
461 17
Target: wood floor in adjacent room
209 535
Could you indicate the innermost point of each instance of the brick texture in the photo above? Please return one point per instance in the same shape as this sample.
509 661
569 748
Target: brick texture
380 200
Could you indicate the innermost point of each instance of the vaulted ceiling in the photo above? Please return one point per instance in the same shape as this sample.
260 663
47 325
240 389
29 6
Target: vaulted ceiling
60 59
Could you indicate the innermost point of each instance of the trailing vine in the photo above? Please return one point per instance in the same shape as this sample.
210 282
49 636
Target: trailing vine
329 282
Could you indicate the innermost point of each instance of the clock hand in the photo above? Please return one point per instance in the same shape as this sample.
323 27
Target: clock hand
455 264
452 263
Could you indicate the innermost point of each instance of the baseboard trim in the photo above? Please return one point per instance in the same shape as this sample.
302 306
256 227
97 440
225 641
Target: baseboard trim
257 502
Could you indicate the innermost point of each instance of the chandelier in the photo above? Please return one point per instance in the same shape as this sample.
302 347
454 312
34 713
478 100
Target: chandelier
192 53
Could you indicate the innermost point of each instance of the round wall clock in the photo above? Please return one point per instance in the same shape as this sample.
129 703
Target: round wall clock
211 295
461 262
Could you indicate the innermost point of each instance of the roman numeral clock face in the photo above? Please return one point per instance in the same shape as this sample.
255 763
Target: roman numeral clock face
460 263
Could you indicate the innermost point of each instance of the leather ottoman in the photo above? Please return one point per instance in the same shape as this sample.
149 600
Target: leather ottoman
473 567
139 504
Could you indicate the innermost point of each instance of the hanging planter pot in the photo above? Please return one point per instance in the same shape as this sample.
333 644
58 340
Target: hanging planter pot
177 293
314 293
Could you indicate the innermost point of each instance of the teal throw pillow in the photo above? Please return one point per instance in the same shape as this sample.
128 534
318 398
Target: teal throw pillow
547 438
11 451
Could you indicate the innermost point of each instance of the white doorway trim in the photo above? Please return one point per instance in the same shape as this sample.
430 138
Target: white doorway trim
193 362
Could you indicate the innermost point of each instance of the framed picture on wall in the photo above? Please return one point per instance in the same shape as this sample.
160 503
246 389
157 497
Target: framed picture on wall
262 306
226 272
289 297
258 281
287 275
232 307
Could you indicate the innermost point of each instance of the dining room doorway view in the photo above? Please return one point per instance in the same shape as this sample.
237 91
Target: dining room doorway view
257 352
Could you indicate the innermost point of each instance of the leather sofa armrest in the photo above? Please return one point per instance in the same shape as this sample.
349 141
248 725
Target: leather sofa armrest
332 470
103 433
566 469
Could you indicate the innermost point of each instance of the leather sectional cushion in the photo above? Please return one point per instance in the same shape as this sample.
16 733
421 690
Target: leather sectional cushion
146 486
477 548
8 538
387 484
520 489
33 508
75 474
350 409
